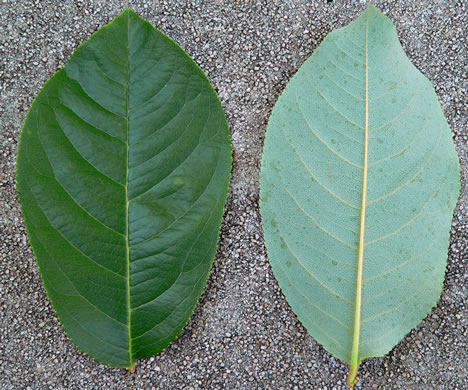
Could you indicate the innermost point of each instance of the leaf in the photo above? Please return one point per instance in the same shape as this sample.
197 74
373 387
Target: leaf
123 170
359 181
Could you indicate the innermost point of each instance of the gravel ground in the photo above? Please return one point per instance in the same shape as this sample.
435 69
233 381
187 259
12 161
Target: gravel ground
243 334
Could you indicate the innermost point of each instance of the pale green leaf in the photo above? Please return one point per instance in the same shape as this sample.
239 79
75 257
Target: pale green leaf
359 181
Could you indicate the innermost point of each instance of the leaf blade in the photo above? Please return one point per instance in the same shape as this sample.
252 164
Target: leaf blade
112 202
312 185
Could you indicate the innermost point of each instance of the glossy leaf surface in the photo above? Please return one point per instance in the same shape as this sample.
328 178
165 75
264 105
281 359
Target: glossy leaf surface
359 181
123 169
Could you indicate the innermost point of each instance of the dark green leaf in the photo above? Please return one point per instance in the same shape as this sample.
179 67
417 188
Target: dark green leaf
123 169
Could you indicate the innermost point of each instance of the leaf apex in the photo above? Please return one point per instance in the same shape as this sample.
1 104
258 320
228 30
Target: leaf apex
128 13
372 8
372 11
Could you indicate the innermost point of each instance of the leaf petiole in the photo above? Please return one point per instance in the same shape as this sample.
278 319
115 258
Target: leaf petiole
352 377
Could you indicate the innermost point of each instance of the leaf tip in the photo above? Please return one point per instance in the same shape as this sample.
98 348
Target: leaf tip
372 10
128 12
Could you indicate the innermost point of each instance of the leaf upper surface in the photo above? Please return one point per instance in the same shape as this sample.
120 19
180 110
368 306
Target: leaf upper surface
359 81
123 170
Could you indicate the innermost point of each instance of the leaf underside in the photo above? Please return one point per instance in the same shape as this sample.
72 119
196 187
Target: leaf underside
316 159
122 172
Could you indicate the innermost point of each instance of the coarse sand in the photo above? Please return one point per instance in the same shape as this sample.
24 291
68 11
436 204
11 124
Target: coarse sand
243 334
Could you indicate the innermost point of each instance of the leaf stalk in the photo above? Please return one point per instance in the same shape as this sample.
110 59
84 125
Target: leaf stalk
352 377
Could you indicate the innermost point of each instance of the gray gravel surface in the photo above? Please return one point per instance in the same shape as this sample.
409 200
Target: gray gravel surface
243 334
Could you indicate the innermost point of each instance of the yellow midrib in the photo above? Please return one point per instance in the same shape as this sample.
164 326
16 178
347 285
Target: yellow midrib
354 364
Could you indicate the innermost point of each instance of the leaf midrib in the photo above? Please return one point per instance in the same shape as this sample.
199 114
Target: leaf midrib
127 227
354 363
